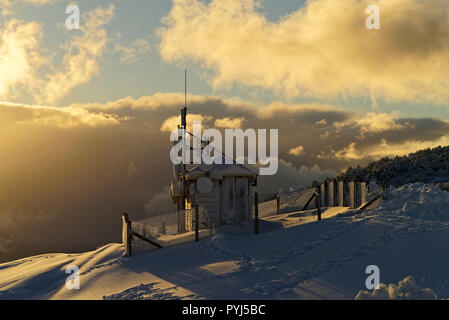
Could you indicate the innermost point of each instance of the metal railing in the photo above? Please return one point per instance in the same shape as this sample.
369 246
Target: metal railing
164 230
288 202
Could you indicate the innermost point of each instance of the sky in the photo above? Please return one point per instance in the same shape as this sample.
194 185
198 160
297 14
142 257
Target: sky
135 20
84 113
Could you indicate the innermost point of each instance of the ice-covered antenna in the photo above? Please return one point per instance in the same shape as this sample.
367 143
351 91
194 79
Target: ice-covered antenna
184 128
184 110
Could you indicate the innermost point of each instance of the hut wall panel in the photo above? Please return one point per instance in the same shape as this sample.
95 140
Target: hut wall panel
210 202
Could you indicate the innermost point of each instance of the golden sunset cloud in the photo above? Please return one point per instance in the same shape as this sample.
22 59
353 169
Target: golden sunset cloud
321 50
299 150
81 61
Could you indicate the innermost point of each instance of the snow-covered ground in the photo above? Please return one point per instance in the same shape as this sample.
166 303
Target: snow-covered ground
407 235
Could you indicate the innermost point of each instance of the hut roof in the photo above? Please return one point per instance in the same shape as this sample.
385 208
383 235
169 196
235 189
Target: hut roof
218 171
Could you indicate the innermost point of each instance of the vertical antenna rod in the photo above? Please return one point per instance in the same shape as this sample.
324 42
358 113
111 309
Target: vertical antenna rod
184 110
184 128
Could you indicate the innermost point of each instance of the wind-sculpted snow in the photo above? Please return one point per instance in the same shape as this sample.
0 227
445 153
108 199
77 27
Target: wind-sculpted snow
406 289
407 235
146 291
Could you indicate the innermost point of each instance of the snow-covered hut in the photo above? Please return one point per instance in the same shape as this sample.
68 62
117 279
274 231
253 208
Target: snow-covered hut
223 191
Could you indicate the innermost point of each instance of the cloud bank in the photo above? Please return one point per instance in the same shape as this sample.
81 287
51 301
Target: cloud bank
20 57
322 50
68 173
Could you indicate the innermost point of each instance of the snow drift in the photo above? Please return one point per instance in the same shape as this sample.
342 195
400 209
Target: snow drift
407 235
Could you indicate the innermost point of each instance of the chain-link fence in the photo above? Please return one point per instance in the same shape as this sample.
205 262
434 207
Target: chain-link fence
165 225
296 201
237 216
242 215
237 212
165 230
267 208
300 218
375 195
234 215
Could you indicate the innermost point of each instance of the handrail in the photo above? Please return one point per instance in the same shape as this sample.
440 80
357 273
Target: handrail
146 239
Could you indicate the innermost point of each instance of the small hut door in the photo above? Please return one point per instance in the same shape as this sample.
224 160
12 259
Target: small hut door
228 200
241 199
235 200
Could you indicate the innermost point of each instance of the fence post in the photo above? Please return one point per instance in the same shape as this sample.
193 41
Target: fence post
341 193
330 192
352 193
363 193
335 204
326 194
384 187
278 204
125 231
126 234
129 237
256 213
197 223
318 201
322 191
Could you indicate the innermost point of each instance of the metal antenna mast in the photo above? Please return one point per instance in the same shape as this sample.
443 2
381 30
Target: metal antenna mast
184 130
184 110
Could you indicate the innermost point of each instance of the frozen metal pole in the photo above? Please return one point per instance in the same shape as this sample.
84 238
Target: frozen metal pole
318 200
197 237
256 213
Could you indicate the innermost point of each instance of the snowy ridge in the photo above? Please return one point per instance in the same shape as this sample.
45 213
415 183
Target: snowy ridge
430 165
407 235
